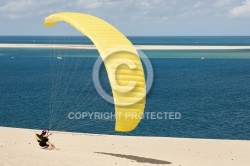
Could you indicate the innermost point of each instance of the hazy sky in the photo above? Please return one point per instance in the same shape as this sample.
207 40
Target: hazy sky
132 17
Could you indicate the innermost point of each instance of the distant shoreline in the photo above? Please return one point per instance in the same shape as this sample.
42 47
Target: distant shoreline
139 47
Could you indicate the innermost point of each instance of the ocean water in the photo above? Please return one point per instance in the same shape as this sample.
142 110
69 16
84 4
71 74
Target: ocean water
137 40
212 95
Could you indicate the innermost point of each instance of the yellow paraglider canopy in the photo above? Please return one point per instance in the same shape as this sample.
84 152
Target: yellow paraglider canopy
122 63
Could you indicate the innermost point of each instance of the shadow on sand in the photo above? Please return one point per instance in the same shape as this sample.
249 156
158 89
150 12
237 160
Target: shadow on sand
137 158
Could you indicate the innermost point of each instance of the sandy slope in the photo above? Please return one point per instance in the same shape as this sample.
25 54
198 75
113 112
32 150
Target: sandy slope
19 147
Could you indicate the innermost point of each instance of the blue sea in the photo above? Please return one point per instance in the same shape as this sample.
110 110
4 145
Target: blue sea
212 95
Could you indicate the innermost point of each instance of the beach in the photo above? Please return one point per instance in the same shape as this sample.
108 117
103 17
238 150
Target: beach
19 147
158 83
139 47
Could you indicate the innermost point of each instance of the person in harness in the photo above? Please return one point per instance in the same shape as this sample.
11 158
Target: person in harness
43 140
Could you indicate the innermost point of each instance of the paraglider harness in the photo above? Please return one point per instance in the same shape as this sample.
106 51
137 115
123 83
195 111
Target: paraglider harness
42 141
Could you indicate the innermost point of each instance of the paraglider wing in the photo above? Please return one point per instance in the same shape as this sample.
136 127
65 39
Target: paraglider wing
127 80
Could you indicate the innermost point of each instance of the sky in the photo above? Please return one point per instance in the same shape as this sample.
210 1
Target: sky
132 17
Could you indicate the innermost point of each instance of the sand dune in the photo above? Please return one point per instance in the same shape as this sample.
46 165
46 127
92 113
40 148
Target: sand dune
19 147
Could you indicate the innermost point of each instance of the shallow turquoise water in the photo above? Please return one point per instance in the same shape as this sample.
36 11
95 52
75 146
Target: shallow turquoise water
137 40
